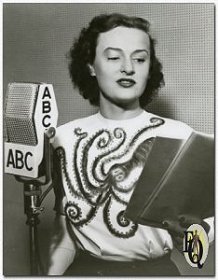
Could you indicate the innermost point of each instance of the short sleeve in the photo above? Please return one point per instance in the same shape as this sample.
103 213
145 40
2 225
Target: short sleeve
60 198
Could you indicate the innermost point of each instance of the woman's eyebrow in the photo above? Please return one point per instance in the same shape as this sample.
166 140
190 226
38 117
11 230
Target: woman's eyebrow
112 49
120 50
140 51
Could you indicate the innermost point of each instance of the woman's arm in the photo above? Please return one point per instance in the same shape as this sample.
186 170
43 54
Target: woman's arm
62 248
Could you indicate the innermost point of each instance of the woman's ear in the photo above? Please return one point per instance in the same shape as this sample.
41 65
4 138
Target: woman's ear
91 70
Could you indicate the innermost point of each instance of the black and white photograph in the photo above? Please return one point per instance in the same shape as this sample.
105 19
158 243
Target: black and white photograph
108 139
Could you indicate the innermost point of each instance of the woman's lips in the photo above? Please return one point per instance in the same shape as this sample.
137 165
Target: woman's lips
126 83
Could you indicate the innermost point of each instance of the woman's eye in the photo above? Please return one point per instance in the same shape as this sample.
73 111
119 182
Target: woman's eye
113 58
139 60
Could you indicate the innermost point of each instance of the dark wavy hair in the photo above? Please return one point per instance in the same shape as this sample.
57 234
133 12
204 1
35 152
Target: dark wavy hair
83 53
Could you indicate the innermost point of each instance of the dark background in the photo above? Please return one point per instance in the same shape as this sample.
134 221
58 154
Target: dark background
36 38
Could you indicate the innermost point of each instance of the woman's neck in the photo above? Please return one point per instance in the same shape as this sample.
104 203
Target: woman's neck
113 111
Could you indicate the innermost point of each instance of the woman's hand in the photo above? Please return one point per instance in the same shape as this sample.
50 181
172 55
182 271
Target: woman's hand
62 248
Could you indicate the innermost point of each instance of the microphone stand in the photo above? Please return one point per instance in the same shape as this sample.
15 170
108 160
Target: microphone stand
33 197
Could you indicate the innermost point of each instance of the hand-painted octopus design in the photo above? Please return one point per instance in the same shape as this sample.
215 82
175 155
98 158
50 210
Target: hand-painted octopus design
106 180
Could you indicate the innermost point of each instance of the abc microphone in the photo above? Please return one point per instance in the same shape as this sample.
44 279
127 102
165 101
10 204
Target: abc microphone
30 110
30 120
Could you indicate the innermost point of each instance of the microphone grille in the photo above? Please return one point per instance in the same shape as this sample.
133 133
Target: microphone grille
20 104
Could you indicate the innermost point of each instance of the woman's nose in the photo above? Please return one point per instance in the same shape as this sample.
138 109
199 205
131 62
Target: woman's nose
127 67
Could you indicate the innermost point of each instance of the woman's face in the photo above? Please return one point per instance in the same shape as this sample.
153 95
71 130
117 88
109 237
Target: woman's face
121 64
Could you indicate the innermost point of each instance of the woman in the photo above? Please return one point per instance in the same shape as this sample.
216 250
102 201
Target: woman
98 159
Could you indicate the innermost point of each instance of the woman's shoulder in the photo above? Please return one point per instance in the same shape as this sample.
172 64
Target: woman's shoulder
65 131
173 128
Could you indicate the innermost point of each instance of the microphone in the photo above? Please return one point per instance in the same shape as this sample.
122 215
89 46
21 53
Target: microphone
30 111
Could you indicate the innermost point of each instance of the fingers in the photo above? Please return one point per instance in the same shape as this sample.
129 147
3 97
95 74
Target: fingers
187 220
174 227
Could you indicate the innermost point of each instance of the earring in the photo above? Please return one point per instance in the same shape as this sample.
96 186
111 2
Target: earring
91 70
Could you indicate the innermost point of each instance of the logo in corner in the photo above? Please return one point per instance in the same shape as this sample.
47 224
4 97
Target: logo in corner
195 245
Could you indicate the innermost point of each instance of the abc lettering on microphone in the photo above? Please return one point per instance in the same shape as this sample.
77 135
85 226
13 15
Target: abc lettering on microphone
30 110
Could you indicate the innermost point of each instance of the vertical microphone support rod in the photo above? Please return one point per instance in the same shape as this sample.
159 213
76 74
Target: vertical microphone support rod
33 197
32 210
